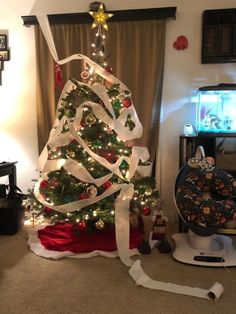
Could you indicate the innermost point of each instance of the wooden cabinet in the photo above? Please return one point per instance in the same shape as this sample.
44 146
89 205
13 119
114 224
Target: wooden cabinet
219 36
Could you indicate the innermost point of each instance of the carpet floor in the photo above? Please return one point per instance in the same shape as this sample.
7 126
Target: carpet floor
30 284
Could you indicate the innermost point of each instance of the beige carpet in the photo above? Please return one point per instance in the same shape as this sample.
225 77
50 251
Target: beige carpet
32 284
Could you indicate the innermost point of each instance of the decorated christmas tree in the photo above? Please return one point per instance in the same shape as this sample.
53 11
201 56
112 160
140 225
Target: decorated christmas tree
89 166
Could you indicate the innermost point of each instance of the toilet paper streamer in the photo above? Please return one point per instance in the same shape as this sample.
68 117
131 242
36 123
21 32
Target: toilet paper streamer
143 280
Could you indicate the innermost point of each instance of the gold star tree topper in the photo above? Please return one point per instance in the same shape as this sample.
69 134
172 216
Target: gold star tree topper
100 17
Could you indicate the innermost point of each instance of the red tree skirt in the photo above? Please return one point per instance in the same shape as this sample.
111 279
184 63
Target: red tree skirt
63 237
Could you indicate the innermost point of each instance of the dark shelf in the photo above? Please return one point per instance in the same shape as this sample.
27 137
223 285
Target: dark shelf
189 144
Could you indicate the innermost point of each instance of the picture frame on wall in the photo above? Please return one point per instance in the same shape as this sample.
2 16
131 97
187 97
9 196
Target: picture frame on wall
3 41
4 55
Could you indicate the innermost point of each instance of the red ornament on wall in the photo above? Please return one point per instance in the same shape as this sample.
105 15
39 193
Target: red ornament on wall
181 43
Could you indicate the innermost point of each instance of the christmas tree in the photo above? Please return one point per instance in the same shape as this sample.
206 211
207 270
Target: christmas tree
89 158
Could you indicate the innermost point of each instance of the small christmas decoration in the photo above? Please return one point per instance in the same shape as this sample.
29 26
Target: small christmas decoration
127 102
159 233
97 143
100 17
83 196
44 184
47 209
146 211
53 184
110 156
91 191
99 224
90 119
107 184
85 75
58 76
108 69
148 192
116 105
70 154
82 226
159 228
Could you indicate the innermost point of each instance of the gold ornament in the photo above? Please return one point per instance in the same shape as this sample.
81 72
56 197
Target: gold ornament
91 191
100 17
99 224
121 96
148 191
70 154
90 119
155 202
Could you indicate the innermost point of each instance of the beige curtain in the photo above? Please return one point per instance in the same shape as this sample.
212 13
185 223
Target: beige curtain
135 51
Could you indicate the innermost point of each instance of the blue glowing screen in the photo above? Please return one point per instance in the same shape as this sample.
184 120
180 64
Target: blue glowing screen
216 112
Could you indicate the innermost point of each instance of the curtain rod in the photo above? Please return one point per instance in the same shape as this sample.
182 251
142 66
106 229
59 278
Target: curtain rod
119 16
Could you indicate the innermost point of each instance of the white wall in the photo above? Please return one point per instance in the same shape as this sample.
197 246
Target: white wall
184 73
18 137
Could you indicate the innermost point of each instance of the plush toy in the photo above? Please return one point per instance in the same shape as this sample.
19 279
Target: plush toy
227 123
206 123
159 233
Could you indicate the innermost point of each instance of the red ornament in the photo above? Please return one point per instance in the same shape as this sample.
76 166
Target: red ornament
108 68
44 184
74 141
53 184
58 76
110 156
83 196
47 209
107 184
127 102
146 211
82 226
